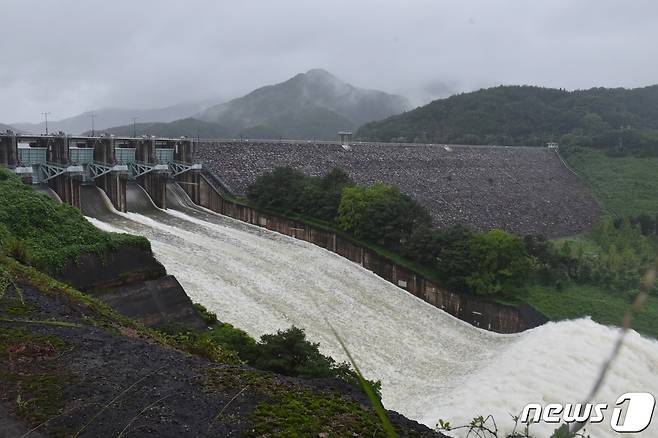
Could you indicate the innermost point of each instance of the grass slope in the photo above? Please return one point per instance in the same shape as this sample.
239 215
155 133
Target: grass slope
604 306
49 234
624 186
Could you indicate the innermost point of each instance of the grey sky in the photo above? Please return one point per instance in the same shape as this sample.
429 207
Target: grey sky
67 57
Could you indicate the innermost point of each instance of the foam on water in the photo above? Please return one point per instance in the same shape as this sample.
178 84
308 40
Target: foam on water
431 364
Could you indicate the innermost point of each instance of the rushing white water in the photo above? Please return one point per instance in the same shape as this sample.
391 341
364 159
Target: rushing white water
431 365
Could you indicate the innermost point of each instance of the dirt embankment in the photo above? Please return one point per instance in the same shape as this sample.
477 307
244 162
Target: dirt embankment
70 366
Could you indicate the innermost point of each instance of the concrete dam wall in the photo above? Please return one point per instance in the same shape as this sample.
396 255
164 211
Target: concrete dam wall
523 190
474 310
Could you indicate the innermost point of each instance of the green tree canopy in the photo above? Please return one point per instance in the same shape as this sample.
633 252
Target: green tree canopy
500 261
380 214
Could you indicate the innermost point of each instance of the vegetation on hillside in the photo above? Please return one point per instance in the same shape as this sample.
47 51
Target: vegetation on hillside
619 120
45 234
286 352
624 186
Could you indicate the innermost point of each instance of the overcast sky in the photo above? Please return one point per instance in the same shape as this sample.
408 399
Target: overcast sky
68 56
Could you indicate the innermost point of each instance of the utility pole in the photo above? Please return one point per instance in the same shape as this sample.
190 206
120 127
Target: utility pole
134 119
46 117
93 116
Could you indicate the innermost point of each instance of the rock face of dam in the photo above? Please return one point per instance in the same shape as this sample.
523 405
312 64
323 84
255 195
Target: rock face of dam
524 190
431 364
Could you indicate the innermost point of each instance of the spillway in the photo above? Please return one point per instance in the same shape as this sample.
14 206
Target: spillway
431 365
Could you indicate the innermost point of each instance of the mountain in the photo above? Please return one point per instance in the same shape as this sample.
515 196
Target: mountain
185 127
611 118
108 117
4 128
310 105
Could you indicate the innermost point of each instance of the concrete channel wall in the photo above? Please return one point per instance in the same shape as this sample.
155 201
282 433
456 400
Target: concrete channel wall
474 310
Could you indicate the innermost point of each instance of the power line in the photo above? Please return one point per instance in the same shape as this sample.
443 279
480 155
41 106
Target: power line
93 116
45 114
134 119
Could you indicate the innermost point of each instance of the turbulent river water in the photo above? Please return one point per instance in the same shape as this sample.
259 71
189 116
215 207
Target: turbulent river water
431 365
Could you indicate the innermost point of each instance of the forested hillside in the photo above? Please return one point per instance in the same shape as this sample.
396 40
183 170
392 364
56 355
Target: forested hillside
619 120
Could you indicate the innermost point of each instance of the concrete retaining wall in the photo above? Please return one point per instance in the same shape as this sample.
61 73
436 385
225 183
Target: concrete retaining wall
135 284
474 310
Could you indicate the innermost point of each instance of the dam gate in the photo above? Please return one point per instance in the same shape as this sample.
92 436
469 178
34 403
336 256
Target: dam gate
64 163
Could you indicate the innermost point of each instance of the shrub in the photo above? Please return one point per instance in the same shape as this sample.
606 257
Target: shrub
200 344
208 317
288 352
17 250
234 339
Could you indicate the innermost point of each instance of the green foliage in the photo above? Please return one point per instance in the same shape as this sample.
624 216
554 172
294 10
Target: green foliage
17 250
624 186
234 339
303 414
487 263
286 352
371 390
495 262
208 317
289 353
291 192
292 410
48 234
36 387
607 307
500 262
614 254
619 120
380 214
200 344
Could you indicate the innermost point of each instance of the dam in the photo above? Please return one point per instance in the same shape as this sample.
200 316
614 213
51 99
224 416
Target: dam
523 190
431 364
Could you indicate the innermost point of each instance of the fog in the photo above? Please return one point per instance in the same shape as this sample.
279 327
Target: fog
66 57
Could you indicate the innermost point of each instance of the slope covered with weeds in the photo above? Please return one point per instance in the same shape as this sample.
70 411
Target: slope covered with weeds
36 229
70 366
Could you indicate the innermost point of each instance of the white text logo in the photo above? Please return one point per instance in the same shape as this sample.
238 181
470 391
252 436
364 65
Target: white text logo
632 412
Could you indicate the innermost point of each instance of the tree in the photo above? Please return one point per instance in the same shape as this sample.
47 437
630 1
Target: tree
288 352
289 191
500 261
330 190
380 214
279 190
